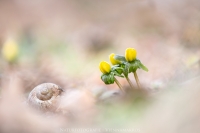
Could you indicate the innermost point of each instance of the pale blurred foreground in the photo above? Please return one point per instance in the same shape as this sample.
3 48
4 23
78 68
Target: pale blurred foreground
172 110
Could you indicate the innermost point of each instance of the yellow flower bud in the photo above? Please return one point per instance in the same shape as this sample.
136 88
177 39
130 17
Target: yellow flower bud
104 67
130 54
113 60
10 50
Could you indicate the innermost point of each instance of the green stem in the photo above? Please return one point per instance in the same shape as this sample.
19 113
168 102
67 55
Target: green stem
119 85
137 80
129 81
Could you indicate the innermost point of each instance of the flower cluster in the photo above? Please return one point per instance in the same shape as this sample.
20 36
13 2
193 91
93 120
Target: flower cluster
122 66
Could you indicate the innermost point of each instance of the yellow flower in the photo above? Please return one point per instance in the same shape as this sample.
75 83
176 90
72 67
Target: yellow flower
104 67
113 60
10 50
130 54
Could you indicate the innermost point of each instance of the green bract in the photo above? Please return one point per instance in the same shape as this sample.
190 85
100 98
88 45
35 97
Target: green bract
110 77
132 66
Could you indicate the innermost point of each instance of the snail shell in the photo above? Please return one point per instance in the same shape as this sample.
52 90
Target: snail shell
45 96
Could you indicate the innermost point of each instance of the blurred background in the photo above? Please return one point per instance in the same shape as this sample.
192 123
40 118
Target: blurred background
63 42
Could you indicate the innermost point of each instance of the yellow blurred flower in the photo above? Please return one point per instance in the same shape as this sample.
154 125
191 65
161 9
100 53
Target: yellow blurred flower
104 67
10 50
130 54
113 60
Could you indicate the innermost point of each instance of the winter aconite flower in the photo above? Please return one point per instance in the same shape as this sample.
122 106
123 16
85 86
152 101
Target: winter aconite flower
108 76
130 54
113 60
10 50
105 67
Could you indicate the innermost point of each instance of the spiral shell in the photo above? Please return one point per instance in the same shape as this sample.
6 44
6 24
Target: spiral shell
45 96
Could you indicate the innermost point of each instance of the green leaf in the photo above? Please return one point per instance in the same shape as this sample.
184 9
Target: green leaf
120 58
134 65
108 78
126 71
117 70
141 66
104 78
137 64
144 67
117 67
117 74
111 78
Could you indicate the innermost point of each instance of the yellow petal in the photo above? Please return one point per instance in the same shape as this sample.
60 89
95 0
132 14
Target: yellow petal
130 54
104 67
10 50
113 60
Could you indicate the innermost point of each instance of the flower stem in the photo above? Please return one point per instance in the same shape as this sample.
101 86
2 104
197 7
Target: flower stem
119 85
129 81
137 80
